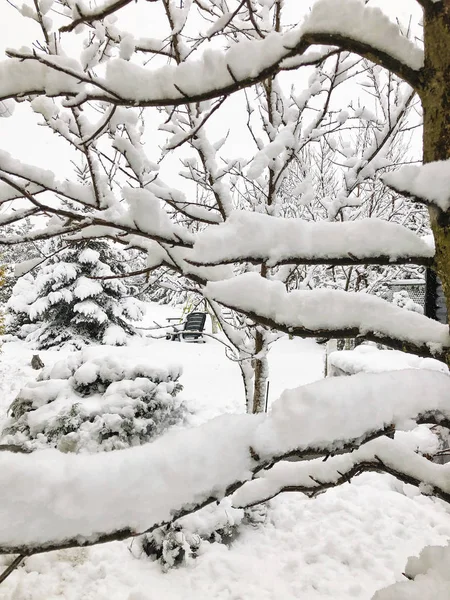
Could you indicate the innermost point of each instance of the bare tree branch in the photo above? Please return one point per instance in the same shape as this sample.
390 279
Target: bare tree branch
124 275
375 55
191 134
96 14
342 261
407 194
16 216
82 221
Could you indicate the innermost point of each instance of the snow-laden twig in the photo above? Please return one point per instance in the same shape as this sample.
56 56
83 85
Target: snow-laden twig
96 14
315 477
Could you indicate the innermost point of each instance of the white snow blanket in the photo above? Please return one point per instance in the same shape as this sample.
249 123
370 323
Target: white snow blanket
430 574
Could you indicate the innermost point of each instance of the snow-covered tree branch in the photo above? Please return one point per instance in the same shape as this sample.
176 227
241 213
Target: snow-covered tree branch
47 512
355 28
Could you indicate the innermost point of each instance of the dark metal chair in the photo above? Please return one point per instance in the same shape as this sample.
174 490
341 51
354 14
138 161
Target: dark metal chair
192 330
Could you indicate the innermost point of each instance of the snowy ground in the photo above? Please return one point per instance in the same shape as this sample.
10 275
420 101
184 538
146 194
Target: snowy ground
345 544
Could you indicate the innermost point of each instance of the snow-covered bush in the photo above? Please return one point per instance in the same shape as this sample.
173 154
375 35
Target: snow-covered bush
182 540
403 300
68 302
95 400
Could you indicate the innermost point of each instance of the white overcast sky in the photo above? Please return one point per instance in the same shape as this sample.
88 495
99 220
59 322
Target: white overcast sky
21 136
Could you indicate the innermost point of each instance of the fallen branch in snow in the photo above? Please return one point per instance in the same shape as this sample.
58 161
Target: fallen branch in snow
114 536
381 455
305 455
316 487
51 500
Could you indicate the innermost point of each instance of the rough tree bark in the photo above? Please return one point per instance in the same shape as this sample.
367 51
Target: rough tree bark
434 92
261 371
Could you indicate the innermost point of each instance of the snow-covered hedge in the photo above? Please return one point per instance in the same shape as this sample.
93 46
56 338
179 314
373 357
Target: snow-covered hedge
97 399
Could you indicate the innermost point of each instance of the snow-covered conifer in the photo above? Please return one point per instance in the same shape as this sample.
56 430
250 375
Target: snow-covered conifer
68 301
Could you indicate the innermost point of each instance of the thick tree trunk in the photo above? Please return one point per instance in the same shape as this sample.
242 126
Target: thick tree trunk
435 95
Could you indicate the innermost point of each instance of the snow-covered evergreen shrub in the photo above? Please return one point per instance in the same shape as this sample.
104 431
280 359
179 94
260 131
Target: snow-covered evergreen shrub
182 540
95 400
62 304
16 254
